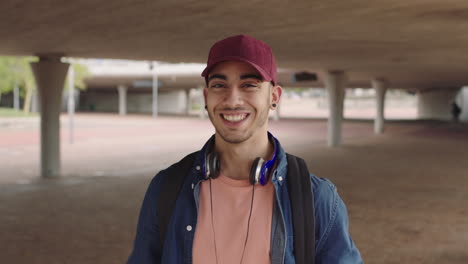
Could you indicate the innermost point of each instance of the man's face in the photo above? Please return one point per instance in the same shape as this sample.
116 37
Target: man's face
238 100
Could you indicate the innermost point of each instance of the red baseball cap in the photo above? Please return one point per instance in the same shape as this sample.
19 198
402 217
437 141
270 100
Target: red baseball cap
243 48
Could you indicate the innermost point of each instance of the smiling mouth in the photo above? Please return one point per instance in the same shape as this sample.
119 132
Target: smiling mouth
234 117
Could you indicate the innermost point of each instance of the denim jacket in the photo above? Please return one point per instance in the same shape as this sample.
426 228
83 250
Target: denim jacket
333 241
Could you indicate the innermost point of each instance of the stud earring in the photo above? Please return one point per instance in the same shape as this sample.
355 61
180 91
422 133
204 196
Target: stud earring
206 107
274 105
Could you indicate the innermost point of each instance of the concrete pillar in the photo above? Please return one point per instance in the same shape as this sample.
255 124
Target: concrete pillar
463 103
155 90
202 103
16 98
35 102
122 99
188 103
335 82
436 104
50 74
380 89
71 104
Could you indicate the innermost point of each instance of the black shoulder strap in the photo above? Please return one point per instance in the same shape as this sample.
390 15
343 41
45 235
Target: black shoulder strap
170 190
302 203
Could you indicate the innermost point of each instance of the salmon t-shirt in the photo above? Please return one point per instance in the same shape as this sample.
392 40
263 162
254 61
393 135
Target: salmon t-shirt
231 208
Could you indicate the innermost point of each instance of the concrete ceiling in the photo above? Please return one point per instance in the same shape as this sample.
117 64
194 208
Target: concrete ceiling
413 44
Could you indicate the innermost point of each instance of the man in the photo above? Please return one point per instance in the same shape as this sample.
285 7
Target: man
233 205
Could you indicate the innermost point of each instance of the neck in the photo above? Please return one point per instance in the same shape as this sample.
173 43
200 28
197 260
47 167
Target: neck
236 159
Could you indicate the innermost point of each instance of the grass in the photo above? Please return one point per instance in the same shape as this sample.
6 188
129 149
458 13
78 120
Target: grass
10 112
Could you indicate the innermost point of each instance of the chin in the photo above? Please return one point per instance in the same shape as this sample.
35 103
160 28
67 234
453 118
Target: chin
234 138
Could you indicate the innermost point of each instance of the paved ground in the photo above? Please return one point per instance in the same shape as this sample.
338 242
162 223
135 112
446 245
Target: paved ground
406 190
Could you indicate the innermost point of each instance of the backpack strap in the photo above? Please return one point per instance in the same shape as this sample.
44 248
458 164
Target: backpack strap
170 190
303 213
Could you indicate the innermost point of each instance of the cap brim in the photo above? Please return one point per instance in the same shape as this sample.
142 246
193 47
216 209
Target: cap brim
266 77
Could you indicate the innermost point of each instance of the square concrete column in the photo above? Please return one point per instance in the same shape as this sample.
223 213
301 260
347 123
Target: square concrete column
155 90
122 99
71 103
436 104
35 102
188 102
463 101
380 89
50 75
16 97
203 113
335 82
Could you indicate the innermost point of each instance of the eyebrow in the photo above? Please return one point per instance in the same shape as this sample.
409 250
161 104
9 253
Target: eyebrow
253 76
217 76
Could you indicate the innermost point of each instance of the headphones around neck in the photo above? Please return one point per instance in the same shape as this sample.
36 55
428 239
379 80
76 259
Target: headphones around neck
259 172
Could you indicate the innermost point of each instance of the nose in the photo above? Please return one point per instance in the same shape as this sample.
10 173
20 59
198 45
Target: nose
233 97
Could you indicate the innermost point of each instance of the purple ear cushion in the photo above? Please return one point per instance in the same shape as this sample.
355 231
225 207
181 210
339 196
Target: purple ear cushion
263 175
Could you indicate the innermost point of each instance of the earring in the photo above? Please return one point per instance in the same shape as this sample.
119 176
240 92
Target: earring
206 107
274 105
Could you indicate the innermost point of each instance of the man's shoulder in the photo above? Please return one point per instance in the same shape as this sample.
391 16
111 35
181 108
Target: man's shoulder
324 190
322 186
185 163
326 199
334 240
181 167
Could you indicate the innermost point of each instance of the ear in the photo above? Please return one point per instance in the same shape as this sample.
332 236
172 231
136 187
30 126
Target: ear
276 92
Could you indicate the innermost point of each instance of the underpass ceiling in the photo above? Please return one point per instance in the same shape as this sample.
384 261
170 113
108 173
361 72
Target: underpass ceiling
413 44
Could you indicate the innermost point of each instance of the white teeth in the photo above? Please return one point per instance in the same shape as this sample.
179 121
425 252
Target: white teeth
234 118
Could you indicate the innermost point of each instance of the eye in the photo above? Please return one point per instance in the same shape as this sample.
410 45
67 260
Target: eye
217 85
250 85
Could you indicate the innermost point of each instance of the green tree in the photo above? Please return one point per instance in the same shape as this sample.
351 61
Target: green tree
17 71
81 73
6 74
